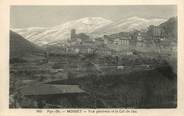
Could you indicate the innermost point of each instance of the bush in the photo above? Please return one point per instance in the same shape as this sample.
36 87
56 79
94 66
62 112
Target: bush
58 65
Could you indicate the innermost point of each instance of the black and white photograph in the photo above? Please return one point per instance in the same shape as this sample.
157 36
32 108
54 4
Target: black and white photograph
93 56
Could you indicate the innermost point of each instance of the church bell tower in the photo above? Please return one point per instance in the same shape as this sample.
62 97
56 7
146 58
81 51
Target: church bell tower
73 33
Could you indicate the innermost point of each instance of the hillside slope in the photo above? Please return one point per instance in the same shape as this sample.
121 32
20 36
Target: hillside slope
170 28
20 47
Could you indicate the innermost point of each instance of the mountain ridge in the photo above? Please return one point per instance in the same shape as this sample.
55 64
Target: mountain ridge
96 26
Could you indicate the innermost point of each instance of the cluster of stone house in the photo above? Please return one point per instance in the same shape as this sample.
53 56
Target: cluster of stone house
155 38
118 42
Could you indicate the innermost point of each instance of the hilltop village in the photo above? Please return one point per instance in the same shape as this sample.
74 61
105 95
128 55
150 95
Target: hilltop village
126 69
154 40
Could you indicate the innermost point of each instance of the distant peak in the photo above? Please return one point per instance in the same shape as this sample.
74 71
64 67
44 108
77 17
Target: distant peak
141 18
136 18
92 18
89 19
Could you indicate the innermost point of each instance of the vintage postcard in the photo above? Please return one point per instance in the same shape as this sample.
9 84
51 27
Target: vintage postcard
117 58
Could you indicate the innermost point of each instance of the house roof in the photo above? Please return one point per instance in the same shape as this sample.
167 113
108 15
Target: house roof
49 89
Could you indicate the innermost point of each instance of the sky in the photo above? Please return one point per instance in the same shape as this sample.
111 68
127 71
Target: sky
47 16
